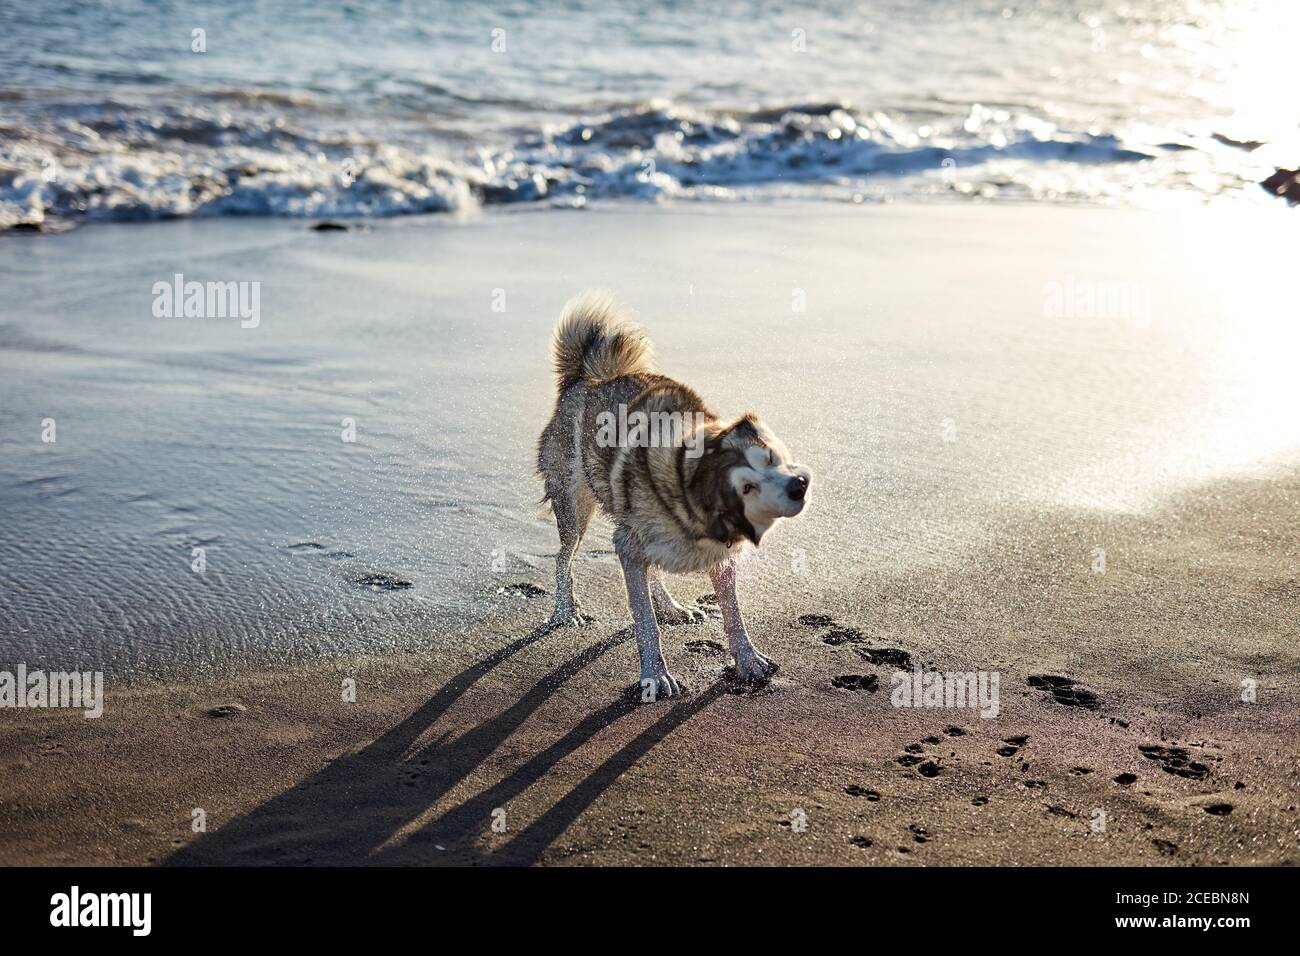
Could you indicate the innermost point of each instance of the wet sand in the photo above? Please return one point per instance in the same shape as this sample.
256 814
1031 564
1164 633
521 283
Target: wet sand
975 554
938 367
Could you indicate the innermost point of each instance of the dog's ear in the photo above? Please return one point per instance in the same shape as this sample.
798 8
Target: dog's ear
737 433
745 427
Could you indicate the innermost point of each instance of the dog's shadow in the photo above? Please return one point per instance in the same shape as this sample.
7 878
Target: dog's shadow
370 806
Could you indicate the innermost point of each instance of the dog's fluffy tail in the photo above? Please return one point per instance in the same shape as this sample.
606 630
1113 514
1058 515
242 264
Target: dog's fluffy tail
595 340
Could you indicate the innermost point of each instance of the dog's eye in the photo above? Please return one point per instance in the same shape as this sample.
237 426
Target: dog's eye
749 488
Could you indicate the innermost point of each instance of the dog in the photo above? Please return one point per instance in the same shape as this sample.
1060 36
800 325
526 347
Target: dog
686 490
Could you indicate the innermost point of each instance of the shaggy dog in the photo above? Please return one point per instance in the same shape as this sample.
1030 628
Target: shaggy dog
685 489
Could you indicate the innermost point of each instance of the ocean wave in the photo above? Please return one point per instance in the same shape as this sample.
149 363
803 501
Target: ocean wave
235 153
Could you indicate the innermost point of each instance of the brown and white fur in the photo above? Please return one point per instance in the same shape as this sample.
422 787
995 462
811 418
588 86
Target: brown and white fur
688 506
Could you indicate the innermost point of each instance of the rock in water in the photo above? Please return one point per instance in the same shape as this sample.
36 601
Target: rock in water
1284 183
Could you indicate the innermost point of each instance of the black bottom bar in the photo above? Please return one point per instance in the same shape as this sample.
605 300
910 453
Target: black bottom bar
336 905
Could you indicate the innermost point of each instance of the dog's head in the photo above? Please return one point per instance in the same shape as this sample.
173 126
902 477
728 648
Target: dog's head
749 481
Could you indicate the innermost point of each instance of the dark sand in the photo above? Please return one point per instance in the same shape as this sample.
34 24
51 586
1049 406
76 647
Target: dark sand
1196 597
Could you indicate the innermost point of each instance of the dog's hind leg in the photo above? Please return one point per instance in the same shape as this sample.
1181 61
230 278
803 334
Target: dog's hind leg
667 610
750 664
656 682
572 512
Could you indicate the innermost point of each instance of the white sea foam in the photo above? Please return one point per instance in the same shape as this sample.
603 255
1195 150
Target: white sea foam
140 165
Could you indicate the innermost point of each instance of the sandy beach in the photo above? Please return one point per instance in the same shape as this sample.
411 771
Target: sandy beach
544 729
1051 443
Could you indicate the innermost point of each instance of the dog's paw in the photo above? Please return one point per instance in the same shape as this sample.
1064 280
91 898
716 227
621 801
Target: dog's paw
753 667
570 619
675 613
657 683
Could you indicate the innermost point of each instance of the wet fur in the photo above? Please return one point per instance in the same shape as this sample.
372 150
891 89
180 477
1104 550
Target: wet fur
671 510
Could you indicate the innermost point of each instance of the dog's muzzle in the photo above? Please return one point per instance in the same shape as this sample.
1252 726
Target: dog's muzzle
797 487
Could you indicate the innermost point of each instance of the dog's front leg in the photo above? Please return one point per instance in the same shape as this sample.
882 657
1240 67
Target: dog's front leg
656 682
750 664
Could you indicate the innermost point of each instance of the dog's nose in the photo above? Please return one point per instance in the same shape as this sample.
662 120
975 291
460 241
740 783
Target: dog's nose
797 488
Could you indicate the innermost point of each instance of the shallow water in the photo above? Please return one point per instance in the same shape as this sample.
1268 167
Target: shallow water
306 109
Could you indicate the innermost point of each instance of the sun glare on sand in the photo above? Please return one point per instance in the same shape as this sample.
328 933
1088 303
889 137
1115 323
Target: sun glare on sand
1216 366
1245 341
1259 340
